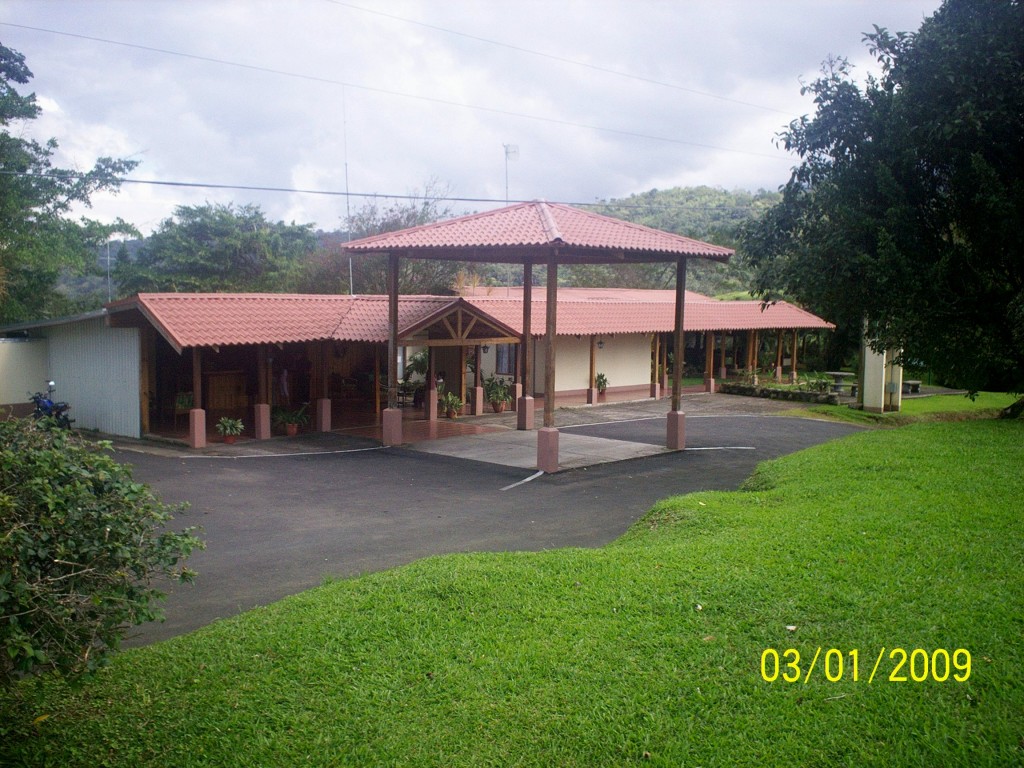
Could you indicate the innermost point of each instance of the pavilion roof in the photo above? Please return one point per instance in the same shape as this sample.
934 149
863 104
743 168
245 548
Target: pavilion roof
533 231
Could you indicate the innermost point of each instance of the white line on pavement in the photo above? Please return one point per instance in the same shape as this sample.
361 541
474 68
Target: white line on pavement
531 477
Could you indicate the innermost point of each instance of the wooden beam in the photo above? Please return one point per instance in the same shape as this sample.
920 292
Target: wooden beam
197 377
678 347
527 353
392 330
549 351
261 374
593 362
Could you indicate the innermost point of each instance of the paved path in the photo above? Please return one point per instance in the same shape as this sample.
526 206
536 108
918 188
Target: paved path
280 520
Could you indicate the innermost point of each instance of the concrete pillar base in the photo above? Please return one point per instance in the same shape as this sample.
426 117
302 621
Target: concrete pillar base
709 385
778 374
656 391
430 404
261 418
323 415
478 401
197 428
547 449
524 413
723 373
517 392
392 426
676 433
591 396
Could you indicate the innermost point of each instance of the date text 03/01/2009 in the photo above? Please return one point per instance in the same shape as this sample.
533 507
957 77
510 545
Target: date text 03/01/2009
917 665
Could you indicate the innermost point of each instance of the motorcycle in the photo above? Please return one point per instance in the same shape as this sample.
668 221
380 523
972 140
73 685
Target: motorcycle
48 408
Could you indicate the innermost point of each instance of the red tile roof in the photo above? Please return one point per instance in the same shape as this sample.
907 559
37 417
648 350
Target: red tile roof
223 319
510 233
585 311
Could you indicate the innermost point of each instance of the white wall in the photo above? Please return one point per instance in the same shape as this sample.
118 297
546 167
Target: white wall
23 369
625 360
883 381
96 369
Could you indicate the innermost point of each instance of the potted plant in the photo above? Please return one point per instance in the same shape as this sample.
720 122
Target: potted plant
230 428
451 404
601 381
291 420
497 393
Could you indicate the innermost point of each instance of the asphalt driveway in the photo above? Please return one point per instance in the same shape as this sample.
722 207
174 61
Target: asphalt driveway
278 524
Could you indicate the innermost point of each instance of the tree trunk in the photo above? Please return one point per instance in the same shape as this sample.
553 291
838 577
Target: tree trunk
1013 411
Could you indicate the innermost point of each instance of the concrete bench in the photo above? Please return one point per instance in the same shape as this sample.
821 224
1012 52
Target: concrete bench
911 387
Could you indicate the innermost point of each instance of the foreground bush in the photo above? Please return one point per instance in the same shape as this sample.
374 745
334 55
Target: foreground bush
80 545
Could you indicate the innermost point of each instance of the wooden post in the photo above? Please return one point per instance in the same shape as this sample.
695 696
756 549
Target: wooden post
709 361
197 377
524 408
778 356
549 351
592 380
376 379
793 375
675 431
547 436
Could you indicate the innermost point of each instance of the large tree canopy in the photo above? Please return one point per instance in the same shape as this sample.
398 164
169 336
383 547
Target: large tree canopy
215 247
705 213
907 209
37 239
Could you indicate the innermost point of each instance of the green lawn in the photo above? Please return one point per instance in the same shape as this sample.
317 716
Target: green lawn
644 652
936 407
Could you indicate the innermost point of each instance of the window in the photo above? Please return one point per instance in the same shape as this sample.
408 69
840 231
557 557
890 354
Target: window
505 359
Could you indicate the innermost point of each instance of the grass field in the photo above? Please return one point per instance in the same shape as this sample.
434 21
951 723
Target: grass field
917 409
644 652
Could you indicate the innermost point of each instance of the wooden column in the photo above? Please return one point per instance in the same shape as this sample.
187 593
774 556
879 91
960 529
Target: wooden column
524 408
592 379
478 385
391 424
549 350
462 376
655 360
792 369
376 379
678 348
709 361
675 431
197 377
197 416
547 437
779 343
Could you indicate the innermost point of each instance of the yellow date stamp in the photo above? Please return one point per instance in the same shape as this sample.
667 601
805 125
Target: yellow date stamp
899 665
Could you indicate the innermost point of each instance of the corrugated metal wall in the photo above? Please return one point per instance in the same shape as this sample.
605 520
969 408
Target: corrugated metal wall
97 370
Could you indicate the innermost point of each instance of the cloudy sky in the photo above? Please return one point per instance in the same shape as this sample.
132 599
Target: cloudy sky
603 98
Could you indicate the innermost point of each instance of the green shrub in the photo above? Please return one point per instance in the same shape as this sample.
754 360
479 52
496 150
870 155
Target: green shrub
80 545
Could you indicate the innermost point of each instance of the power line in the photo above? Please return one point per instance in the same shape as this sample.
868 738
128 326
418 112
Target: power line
563 60
400 94
64 175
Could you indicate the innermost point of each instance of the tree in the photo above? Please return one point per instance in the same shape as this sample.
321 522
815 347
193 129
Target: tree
80 545
214 247
906 212
370 272
703 213
37 239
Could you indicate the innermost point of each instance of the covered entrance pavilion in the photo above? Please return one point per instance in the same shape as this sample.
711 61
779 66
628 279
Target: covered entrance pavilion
546 235
205 356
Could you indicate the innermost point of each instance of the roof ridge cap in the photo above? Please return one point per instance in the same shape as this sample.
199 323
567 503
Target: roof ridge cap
547 221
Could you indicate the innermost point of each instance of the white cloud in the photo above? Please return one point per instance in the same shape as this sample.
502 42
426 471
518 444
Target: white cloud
195 120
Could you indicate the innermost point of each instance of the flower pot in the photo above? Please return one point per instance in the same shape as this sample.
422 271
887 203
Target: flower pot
230 439
291 429
452 413
498 405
